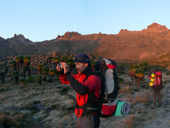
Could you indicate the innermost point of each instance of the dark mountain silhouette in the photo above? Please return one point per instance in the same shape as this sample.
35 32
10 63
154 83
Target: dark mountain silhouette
15 46
2 39
146 44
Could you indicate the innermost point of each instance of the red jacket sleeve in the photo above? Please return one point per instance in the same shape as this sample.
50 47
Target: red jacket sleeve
92 83
63 79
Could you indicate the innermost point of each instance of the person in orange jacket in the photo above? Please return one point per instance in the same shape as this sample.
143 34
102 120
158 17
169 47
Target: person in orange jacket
87 86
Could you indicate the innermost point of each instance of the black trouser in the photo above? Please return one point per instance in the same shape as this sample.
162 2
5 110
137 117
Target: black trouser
88 121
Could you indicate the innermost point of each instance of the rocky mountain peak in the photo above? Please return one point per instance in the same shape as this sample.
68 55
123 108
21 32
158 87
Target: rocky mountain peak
123 31
69 35
21 38
156 26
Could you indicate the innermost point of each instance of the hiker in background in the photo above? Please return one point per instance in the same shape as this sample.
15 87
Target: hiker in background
156 85
87 87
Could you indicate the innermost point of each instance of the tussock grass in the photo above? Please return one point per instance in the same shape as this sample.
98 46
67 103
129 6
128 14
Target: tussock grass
16 120
126 89
143 99
130 121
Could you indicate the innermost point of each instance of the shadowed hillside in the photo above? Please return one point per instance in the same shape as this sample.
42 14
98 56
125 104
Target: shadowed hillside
15 45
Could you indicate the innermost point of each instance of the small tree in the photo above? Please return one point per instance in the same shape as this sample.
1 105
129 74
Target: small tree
44 73
40 67
132 69
51 73
39 79
16 76
139 76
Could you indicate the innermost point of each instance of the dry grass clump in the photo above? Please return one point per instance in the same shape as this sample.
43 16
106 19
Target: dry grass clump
144 99
7 121
2 89
17 120
126 89
129 121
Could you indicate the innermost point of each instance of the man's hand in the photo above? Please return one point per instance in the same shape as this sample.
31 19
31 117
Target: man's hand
63 65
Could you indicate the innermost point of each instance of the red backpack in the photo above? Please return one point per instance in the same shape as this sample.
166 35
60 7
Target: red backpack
158 81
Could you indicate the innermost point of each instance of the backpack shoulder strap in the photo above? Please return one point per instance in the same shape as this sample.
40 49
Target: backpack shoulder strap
87 75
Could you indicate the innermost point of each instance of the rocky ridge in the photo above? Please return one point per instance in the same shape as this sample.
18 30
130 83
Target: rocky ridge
126 45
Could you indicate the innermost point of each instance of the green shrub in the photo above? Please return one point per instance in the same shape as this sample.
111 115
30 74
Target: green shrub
31 79
22 81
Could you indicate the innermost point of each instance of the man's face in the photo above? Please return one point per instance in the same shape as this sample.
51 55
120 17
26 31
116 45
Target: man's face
81 66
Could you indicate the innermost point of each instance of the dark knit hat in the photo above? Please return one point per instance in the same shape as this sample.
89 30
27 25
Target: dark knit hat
81 58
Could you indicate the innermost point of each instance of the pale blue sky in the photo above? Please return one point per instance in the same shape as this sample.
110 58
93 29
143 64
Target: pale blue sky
40 20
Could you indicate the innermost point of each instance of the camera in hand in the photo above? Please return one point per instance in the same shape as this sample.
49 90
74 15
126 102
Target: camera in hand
62 70
59 66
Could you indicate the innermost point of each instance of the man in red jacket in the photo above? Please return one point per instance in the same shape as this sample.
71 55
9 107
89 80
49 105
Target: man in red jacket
87 87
